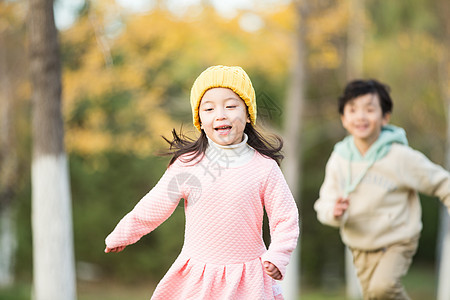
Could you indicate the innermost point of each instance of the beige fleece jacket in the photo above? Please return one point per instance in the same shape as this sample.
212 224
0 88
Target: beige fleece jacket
384 208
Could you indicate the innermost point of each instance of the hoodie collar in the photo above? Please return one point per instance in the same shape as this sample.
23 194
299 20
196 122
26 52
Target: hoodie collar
389 135
347 149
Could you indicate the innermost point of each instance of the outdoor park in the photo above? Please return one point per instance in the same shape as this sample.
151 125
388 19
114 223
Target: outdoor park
85 102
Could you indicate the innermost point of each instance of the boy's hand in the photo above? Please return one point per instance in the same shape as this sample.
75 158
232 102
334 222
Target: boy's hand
116 249
272 270
340 207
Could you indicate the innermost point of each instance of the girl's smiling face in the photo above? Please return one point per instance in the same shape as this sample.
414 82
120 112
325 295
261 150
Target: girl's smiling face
223 116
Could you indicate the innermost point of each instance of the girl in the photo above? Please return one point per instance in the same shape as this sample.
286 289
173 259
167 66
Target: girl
226 179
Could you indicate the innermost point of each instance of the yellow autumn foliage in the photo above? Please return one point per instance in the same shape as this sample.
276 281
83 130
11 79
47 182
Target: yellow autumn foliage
155 58
132 84
87 140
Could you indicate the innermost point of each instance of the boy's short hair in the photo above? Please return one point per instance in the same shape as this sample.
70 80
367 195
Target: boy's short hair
361 87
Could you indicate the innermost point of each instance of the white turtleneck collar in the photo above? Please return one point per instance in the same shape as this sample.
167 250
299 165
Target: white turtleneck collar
230 156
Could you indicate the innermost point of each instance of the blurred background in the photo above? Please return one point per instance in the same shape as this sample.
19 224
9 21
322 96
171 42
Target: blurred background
127 70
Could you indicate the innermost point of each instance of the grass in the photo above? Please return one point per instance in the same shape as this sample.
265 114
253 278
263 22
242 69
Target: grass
420 284
114 291
20 291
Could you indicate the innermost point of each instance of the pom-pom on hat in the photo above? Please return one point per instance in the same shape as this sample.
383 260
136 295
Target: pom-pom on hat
233 78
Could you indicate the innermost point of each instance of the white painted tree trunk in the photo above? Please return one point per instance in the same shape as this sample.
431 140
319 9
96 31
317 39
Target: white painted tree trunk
443 288
53 257
291 170
293 152
353 288
52 232
291 283
8 245
443 291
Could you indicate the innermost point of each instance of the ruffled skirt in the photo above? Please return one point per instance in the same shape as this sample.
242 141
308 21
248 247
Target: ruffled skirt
189 278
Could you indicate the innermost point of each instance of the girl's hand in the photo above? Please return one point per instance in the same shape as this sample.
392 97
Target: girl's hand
340 207
272 270
116 249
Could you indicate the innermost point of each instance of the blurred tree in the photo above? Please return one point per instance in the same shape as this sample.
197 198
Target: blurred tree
354 68
443 257
8 151
355 39
292 132
322 250
14 132
13 156
53 257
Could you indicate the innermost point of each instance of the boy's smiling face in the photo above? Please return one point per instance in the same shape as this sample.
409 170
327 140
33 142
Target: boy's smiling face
363 119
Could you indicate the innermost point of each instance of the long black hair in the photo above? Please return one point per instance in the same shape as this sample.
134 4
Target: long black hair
181 144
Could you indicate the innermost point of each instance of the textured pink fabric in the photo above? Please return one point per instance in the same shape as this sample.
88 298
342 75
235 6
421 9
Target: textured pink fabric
223 249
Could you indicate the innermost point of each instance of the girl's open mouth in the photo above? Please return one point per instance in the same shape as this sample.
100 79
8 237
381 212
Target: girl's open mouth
223 129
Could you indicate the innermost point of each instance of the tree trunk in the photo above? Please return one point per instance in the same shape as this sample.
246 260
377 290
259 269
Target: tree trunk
8 169
8 245
53 257
443 289
293 125
443 261
354 69
355 40
443 245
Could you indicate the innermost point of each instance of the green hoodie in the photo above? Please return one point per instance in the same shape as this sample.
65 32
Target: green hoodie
389 135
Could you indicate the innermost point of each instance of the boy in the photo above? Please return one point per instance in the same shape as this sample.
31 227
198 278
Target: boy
370 190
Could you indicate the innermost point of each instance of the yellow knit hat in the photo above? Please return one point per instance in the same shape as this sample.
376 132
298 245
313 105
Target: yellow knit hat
233 78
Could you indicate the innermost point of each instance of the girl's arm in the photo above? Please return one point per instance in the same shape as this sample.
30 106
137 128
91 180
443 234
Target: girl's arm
283 221
117 249
153 209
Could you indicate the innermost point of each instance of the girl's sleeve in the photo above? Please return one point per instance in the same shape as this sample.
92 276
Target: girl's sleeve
153 209
420 174
328 195
283 220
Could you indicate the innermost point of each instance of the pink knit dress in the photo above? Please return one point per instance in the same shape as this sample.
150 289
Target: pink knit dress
223 252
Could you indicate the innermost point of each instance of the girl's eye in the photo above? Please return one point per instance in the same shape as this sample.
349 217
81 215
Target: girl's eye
231 106
208 109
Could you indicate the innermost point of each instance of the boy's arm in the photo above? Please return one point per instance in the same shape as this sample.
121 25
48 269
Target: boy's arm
153 209
426 177
283 220
329 194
